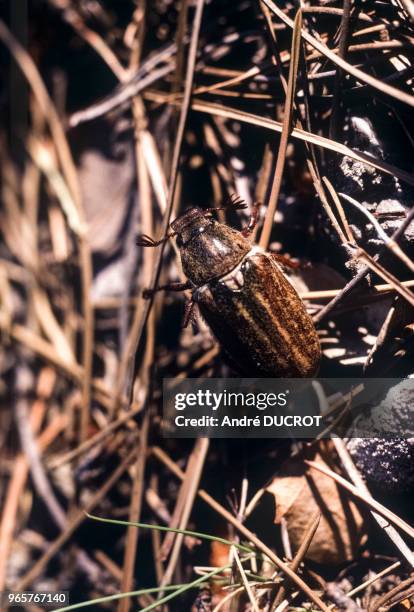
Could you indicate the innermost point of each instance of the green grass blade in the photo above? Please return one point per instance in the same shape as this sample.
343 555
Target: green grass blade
195 534
184 588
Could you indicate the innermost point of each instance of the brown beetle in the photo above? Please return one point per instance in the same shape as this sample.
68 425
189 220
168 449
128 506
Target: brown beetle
244 296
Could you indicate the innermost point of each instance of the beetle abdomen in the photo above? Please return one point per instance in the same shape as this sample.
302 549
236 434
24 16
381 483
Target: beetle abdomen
260 320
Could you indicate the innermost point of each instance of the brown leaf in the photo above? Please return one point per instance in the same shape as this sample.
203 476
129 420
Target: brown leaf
298 494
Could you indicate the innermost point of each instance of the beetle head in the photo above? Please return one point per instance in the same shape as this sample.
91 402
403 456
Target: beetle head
191 223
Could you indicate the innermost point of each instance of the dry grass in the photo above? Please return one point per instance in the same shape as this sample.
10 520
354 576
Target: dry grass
210 99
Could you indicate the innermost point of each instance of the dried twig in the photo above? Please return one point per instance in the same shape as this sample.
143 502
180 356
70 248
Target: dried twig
389 242
148 74
134 515
356 72
286 130
76 520
193 475
276 126
363 271
244 531
382 510
300 554
21 469
32 452
402 591
73 18
99 437
245 581
31 73
356 478
373 265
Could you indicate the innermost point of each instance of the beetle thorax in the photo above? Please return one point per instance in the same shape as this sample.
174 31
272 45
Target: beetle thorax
210 249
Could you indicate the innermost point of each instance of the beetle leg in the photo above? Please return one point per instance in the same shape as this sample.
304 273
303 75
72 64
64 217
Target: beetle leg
147 293
285 260
189 314
252 221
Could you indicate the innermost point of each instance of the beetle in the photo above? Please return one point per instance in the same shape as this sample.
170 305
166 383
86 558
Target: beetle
244 296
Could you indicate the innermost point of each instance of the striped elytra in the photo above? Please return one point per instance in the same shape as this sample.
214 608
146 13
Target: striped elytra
260 320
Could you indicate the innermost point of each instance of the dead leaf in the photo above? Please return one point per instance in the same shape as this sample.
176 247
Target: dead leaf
298 494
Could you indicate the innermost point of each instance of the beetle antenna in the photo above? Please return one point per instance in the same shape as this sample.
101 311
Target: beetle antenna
147 241
235 202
